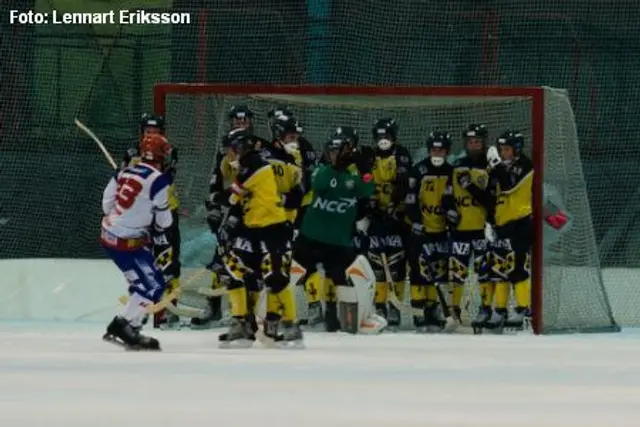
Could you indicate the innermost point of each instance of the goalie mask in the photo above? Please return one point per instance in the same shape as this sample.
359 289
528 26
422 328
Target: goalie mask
285 132
439 145
385 133
475 140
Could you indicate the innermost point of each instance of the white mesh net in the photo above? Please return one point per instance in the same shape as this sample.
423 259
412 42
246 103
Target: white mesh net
574 297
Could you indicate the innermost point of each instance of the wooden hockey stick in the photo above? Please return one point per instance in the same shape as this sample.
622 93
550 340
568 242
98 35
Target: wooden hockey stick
167 301
101 146
210 292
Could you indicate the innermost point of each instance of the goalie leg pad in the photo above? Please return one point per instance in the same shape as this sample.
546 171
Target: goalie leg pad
356 299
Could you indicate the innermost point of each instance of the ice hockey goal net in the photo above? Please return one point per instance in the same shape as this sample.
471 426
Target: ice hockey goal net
568 293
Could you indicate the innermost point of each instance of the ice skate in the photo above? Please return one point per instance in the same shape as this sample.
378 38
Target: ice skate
517 319
120 332
497 321
478 324
291 335
434 319
315 315
331 322
393 319
213 314
239 335
168 321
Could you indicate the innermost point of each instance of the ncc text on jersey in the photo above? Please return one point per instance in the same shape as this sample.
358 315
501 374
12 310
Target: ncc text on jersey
123 17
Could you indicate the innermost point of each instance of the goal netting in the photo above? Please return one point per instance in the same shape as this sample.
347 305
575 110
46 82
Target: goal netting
571 288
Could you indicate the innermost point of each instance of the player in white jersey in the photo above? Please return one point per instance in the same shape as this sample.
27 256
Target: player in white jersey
135 201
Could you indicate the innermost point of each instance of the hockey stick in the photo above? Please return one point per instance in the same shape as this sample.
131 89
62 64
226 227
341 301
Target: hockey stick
101 146
218 292
393 298
167 301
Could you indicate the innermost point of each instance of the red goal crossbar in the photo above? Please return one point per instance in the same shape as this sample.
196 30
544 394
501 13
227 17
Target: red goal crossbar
536 94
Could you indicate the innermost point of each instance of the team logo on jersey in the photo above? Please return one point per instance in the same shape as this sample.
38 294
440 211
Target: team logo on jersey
482 182
349 184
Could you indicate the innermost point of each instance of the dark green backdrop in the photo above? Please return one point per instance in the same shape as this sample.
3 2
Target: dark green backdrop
52 177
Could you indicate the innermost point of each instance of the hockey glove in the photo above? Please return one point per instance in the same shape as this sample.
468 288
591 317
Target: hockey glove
464 179
128 155
493 157
489 233
416 229
364 160
453 218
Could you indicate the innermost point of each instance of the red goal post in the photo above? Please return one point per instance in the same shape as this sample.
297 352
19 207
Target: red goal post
195 115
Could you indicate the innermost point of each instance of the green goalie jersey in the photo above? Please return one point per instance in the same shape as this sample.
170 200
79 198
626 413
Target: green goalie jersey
331 215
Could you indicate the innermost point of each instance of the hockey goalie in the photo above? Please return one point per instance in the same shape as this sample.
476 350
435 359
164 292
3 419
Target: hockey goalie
326 239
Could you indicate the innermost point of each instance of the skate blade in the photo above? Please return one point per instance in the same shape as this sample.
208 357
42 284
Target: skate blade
117 342
269 342
235 344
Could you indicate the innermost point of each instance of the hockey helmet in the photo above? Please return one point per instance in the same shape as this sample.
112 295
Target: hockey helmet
441 140
155 148
151 121
385 133
512 138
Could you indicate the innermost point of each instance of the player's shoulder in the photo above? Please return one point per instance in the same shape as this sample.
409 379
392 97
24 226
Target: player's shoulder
304 144
402 153
463 162
421 167
525 163
522 167
251 165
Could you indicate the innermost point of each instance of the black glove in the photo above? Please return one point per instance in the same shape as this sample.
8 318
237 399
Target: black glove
215 214
364 159
128 155
453 218
464 179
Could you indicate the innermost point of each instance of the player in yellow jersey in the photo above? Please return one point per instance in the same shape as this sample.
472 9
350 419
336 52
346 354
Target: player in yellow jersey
388 230
166 246
429 205
474 205
240 118
305 157
512 177
283 155
262 245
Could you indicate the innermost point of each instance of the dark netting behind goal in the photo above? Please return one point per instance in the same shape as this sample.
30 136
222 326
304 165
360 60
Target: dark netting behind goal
573 293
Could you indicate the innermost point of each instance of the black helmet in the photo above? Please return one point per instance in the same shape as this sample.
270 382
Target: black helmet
512 138
475 131
241 141
283 125
279 110
385 127
343 135
240 111
148 120
439 139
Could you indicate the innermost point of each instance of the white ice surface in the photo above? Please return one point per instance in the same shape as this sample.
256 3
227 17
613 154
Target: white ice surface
62 374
